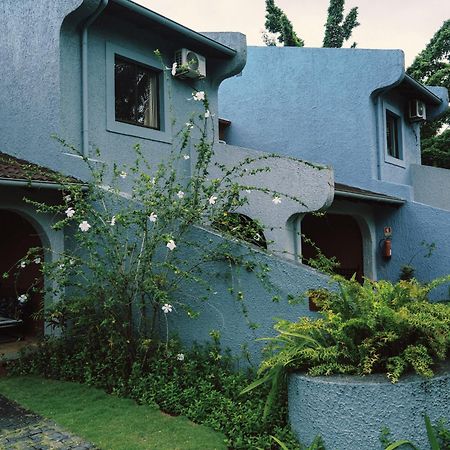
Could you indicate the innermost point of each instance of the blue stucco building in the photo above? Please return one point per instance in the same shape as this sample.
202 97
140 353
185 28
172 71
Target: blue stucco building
68 69
344 111
355 110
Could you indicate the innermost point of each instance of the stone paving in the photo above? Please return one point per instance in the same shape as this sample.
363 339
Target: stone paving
23 430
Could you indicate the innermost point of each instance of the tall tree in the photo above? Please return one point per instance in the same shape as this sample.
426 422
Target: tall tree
278 22
337 29
432 67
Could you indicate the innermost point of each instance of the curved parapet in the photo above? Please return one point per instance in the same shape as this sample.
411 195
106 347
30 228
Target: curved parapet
280 188
231 67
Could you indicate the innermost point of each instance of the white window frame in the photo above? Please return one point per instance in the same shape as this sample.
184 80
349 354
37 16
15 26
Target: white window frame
393 110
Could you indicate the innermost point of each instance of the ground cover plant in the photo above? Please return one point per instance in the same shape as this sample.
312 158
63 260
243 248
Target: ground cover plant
201 384
107 421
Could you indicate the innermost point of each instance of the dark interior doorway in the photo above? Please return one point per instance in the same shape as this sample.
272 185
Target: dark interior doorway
336 235
17 236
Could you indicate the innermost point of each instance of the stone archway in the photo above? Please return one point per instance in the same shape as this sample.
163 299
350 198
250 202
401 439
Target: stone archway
17 237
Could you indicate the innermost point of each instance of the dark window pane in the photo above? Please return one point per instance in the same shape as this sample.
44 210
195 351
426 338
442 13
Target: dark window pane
392 136
137 96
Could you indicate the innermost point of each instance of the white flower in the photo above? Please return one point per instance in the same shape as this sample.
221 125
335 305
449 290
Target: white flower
72 262
37 260
22 298
67 198
171 245
207 114
153 180
248 191
152 217
186 157
113 221
212 199
198 96
84 226
70 212
23 264
180 194
276 200
123 174
166 308
174 69
189 125
61 266
180 356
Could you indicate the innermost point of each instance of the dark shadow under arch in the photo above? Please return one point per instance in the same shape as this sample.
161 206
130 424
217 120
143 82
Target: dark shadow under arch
17 236
336 235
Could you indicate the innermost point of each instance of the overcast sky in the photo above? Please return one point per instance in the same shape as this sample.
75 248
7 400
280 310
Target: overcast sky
405 24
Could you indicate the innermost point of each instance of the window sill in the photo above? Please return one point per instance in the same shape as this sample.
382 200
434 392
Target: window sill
140 132
395 161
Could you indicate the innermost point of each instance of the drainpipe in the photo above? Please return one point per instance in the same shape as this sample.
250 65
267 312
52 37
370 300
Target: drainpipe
84 76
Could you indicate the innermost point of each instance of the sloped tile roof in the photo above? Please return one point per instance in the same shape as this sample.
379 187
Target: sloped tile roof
12 168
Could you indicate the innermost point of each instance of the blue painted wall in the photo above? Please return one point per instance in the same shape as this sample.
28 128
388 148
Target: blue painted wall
41 80
42 96
328 105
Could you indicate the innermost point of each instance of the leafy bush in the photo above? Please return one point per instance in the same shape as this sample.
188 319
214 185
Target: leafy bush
378 327
201 383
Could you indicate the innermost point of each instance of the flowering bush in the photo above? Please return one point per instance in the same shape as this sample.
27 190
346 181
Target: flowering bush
130 250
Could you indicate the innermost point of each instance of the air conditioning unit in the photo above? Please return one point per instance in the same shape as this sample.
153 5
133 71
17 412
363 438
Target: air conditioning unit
190 64
416 111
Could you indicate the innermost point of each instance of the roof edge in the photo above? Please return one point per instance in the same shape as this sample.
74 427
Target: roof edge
175 26
433 98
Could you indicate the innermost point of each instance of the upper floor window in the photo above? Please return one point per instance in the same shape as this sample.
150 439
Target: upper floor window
393 142
136 94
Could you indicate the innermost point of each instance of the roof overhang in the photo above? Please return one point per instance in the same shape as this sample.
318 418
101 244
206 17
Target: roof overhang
414 89
164 26
354 193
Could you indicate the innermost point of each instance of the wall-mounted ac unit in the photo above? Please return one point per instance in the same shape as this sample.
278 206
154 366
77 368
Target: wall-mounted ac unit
190 64
416 111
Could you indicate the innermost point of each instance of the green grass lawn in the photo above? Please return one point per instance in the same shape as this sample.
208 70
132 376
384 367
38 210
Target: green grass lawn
107 421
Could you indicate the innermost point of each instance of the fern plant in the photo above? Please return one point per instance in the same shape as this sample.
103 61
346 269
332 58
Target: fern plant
377 327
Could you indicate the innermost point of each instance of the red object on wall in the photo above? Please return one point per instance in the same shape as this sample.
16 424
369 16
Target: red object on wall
387 249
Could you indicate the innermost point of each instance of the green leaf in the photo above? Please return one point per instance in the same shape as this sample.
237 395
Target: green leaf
282 445
400 443
432 439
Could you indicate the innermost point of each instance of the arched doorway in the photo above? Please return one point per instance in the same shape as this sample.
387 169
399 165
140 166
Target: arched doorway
17 236
335 235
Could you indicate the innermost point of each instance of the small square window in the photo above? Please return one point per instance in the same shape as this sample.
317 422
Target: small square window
393 135
136 94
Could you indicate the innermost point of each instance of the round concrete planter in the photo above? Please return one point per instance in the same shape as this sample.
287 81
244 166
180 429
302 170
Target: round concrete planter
349 412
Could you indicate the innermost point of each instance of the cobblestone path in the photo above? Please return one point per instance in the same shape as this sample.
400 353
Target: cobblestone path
23 430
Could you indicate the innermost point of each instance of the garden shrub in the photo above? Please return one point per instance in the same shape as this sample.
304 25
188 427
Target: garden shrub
377 327
201 383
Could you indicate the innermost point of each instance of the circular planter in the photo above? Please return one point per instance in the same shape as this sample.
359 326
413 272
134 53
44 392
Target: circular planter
349 412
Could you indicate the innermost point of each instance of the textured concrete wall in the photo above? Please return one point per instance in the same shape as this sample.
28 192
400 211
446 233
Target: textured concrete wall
328 106
29 79
306 187
311 103
349 412
413 224
221 310
431 186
